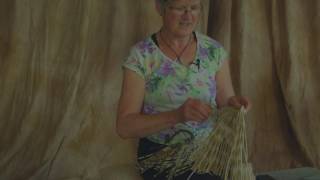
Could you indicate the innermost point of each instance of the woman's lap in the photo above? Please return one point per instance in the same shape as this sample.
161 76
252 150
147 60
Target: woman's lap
147 147
152 175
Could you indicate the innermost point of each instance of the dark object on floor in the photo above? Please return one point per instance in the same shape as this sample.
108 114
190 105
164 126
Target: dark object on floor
304 173
264 177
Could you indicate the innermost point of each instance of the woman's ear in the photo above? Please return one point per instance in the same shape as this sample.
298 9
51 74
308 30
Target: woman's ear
159 8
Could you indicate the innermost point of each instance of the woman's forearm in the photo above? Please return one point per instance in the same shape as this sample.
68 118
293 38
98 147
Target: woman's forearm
141 125
224 85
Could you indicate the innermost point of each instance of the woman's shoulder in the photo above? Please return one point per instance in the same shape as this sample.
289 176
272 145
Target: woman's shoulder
208 41
144 46
212 49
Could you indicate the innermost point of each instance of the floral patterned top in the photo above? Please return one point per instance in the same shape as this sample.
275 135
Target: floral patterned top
168 83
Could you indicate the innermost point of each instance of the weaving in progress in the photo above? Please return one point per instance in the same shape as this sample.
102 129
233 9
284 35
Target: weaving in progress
222 152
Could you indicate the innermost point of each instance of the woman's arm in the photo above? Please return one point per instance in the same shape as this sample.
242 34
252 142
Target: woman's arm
224 85
225 92
131 123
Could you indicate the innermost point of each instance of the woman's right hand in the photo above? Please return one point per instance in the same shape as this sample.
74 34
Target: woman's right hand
194 110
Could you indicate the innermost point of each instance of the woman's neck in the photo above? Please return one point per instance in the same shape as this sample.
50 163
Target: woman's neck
174 40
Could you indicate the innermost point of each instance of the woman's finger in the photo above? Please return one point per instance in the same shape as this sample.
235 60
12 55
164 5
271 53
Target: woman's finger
200 115
233 101
245 102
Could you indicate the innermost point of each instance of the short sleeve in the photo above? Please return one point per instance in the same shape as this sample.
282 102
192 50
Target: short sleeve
134 63
217 54
221 55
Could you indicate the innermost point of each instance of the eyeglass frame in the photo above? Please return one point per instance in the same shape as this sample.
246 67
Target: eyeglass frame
185 9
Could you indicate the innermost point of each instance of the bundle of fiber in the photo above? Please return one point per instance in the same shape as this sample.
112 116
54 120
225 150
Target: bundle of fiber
224 152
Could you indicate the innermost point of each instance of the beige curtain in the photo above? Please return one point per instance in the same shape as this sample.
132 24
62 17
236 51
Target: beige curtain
60 76
274 50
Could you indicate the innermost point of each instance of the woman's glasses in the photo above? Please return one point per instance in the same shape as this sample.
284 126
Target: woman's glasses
180 10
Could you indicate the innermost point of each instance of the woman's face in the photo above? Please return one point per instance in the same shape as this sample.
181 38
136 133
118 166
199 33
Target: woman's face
180 17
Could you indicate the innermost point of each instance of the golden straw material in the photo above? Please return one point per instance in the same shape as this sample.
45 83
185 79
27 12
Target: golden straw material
224 152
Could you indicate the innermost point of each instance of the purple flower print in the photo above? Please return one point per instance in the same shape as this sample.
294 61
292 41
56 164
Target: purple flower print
203 52
166 69
146 47
212 86
149 109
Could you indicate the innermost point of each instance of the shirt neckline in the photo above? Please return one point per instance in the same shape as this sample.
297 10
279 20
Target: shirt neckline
166 58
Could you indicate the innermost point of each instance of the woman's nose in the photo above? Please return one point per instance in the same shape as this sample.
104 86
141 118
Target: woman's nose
187 13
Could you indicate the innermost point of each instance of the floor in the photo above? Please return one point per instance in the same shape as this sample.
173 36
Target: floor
306 173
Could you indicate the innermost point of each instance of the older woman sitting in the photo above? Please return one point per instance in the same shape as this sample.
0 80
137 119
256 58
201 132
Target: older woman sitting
172 81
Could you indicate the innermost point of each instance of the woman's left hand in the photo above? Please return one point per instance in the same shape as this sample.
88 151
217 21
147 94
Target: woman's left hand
239 101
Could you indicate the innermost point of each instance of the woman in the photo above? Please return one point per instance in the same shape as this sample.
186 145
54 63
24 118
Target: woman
172 81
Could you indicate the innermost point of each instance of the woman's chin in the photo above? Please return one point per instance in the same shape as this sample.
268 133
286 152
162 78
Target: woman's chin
185 32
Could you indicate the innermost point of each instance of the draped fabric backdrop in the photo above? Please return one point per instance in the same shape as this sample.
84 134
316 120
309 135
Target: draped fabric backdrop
60 79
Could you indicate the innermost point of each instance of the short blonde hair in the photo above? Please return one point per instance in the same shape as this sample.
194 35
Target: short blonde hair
163 3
